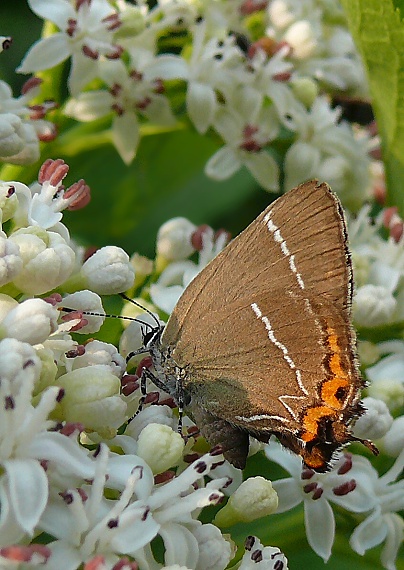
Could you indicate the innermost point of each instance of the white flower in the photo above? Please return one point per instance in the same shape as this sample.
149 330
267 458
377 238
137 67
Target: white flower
343 485
253 499
177 276
383 524
97 352
25 442
21 128
259 557
300 36
47 260
246 128
212 66
132 93
85 34
387 375
85 523
83 303
10 260
393 441
92 398
51 197
31 321
108 271
327 150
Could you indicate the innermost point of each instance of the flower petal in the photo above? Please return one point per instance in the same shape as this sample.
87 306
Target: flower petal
28 486
57 11
181 545
369 533
125 134
289 494
201 105
301 162
45 53
223 164
89 105
320 526
264 169
394 539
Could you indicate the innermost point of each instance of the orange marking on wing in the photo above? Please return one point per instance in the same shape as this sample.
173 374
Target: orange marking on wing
311 419
340 381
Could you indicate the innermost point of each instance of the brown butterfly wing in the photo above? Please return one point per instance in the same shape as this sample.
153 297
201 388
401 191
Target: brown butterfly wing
250 327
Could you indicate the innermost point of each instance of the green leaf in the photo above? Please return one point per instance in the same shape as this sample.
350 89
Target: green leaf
378 30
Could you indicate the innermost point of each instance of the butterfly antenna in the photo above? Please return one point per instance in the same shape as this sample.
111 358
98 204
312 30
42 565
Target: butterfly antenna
93 314
145 309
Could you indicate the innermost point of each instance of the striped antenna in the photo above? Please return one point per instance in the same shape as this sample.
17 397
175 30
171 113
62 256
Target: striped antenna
107 315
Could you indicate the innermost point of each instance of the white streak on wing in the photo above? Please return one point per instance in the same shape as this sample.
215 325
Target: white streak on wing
276 232
262 417
292 413
280 345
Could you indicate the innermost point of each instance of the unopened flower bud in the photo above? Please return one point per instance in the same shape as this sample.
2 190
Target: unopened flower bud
47 260
174 239
160 447
92 398
31 321
375 422
108 271
255 498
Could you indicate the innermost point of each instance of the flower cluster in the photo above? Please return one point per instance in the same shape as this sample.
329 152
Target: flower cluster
259 76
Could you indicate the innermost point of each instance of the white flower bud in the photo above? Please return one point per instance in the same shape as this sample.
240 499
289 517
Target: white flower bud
31 321
30 150
174 239
14 357
12 135
373 305
98 352
255 498
393 441
162 415
214 550
375 422
160 447
108 271
86 301
92 398
300 36
10 261
47 260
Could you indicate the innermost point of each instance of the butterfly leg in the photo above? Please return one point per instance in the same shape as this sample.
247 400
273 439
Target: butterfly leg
146 375
180 402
